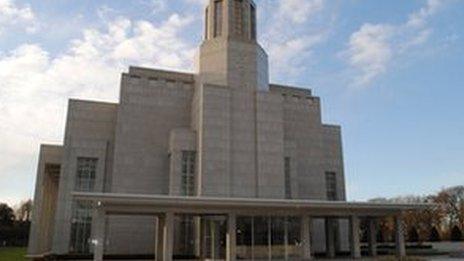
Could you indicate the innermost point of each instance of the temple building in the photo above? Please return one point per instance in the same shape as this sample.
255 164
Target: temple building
216 164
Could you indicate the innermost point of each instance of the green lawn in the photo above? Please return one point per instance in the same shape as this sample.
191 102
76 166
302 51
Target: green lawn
12 254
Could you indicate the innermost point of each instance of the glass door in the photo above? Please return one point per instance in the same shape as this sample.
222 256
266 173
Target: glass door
214 237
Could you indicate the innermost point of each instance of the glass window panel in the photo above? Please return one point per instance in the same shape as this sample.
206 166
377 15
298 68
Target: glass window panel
278 237
185 236
261 238
188 173
81 224
244 238
85 174
294 247
215 237
331 185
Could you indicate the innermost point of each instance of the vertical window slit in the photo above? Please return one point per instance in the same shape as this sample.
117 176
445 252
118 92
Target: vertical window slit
253 22
331 186
218 11
206 23
288 184
188 173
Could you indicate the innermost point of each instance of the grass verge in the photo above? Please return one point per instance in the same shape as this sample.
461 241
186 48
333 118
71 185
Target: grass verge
12 253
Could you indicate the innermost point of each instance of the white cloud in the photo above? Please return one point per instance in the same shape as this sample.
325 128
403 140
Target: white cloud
289 36
12 14
370 51
419 18
158 5
35 85
373 47
289 57
198 2
417 39
299 11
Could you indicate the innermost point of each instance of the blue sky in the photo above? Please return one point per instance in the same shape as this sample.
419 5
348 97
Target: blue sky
390 72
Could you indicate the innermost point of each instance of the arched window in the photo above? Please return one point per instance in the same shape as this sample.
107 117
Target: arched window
218 11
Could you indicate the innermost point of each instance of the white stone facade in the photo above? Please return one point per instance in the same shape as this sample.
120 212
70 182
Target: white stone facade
245 134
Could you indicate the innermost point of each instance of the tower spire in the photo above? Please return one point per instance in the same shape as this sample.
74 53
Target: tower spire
230 54
234 19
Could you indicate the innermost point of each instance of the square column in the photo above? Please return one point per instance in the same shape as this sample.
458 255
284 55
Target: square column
306 237
159 238
399 231
98 233
330 237
372 237
165 238
231 251
354 237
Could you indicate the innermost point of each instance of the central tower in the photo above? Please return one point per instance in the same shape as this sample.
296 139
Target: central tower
230 55
237 119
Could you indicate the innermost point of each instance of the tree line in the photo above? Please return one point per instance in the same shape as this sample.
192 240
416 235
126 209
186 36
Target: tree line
444 222
15 224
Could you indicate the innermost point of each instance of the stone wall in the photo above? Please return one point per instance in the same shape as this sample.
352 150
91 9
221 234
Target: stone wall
153 104
89 132
45 199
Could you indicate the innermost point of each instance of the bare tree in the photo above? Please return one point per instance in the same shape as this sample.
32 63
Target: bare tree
452 203
24 211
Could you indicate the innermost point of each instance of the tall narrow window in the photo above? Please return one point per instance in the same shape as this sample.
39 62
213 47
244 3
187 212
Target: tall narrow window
218 17
188 173
206 22
288 182
238 14
184 239
253 22
331 185
86 172
81 224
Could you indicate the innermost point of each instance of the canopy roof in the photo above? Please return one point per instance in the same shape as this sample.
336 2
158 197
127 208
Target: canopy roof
154 204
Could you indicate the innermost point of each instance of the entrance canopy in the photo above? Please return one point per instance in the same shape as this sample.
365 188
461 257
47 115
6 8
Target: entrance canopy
237 211
149 204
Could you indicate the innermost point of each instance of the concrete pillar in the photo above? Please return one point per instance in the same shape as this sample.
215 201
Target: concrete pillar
214 237
306 237
165 237
159 238
372 237
355 244
231 251
330 238
399 231
99 233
